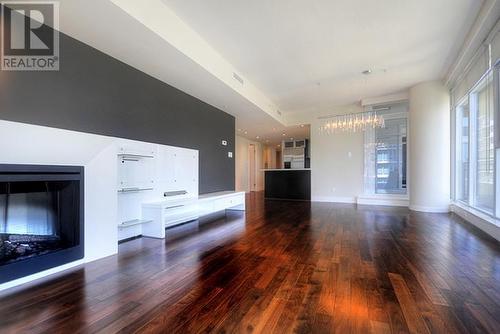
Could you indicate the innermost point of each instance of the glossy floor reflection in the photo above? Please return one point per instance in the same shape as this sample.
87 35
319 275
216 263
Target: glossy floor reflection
282 267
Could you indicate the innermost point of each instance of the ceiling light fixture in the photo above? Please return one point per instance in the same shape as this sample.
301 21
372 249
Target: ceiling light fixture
351 122
367 72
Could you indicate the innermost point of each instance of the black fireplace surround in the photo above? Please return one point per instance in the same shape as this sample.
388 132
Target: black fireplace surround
41 218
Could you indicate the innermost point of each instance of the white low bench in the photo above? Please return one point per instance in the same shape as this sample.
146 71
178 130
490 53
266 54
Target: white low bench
159 215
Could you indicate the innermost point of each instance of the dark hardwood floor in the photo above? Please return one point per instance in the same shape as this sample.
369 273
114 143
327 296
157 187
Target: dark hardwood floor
283 267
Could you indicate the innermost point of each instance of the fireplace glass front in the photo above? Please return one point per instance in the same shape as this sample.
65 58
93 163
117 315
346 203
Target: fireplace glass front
40 216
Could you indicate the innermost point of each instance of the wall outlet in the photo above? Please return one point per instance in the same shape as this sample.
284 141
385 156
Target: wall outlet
229 154
224 143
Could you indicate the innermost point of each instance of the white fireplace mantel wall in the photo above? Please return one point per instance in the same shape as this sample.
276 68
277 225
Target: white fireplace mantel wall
31 144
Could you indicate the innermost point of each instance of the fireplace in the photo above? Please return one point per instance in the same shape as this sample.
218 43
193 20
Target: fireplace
41 218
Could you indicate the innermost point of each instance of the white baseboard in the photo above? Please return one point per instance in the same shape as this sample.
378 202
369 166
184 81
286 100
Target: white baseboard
386 200
430 209
334 199
364 200
485 223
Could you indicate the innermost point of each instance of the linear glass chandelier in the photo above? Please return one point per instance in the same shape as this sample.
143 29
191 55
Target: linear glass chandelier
351 122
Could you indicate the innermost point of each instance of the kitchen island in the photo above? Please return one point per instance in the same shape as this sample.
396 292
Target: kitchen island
288 184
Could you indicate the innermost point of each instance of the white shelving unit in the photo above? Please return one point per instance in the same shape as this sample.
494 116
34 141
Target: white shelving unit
147 172
135 183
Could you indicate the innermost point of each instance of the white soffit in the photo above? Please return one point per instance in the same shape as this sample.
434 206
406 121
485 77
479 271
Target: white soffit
385 99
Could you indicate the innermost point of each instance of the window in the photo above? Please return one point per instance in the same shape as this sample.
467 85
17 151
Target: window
475 148
386 153
390 157
462 167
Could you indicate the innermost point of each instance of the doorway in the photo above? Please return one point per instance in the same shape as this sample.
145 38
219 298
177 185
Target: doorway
251 168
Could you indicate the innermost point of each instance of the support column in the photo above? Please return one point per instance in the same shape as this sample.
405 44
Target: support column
429 142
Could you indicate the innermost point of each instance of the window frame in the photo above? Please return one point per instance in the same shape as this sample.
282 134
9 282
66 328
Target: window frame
471 96
369 150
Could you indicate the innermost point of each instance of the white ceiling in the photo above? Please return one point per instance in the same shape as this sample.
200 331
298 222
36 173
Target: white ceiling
307 55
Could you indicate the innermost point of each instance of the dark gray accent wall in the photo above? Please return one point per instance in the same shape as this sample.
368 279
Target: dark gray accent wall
98 94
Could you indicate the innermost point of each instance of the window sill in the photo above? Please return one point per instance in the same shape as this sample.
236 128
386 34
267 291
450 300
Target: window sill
477 212
481 220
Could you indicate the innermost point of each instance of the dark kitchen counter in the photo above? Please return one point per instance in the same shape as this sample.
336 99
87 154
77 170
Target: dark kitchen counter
288 184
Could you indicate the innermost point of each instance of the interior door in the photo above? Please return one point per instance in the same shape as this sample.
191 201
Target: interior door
251 167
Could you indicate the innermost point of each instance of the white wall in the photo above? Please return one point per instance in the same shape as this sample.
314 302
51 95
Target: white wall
242 165
101 235
429 161
336 162
241 161
269 156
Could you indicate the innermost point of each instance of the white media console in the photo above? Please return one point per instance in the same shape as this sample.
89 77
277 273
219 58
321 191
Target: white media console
158 215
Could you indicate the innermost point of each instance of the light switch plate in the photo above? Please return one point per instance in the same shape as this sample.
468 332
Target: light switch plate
224 143
230 154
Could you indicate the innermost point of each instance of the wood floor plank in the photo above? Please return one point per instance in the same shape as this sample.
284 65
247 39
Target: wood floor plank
412 315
